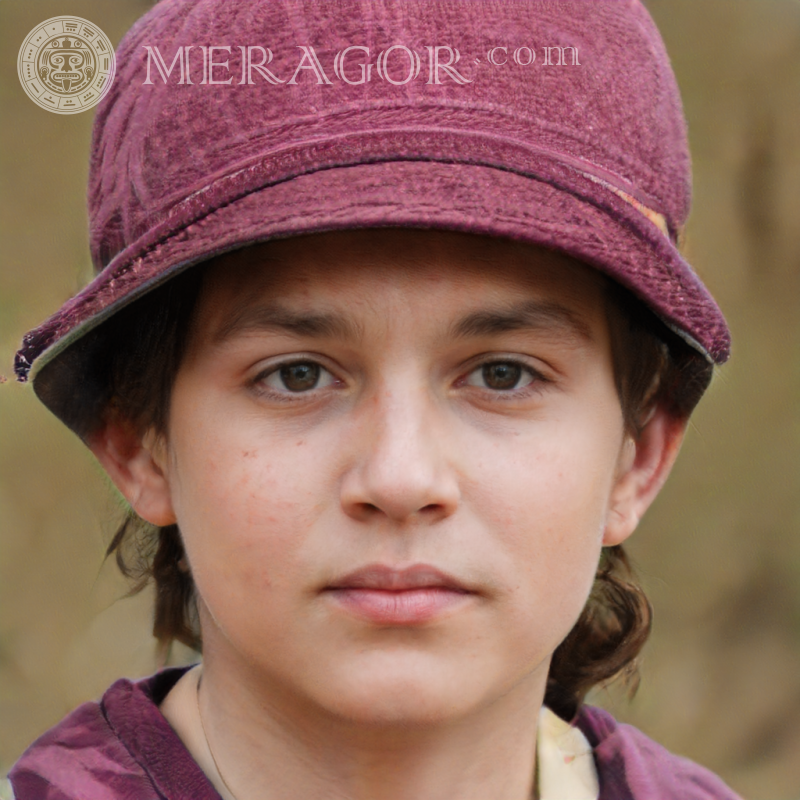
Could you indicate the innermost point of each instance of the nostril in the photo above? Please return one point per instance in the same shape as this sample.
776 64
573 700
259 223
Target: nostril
363 511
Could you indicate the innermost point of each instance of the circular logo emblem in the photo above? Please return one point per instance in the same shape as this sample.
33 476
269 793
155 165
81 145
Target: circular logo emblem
66 65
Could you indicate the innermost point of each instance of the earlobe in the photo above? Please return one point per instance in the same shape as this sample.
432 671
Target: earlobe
645 464
134 464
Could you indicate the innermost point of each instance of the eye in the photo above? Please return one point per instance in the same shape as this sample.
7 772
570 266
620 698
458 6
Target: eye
297 377
502 376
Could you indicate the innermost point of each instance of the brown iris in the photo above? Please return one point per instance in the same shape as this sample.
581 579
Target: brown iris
301 376
501 375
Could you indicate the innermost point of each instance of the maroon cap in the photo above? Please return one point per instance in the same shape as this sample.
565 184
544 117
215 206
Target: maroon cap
232 122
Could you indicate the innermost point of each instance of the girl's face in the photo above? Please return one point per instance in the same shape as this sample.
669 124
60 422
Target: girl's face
394 457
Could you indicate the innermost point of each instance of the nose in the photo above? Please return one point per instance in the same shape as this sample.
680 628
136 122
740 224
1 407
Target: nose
401 464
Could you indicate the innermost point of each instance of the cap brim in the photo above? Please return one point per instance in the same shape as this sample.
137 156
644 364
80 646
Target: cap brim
588 222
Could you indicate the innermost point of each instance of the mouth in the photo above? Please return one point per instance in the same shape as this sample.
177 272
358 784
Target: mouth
386 596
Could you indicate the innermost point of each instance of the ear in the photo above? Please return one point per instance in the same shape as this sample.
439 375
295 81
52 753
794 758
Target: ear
135 465
644 466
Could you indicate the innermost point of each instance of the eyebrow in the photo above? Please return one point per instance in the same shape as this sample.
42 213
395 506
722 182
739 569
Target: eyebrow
274 317
528 315
533 315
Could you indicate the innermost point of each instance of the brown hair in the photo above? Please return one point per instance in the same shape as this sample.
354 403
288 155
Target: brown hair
123 376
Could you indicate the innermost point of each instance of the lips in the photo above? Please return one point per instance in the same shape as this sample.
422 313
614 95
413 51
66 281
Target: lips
398 597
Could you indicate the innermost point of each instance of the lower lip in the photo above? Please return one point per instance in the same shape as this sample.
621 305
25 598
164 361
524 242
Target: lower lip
409 607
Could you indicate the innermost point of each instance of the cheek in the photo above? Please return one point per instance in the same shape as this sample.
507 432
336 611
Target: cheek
547 498
245 507
557 484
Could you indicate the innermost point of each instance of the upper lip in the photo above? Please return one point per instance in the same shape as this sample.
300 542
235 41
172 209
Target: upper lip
380 576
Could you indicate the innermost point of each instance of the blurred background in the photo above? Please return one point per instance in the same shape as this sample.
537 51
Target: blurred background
720 550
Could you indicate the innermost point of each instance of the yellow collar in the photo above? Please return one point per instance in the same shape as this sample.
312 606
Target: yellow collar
566 769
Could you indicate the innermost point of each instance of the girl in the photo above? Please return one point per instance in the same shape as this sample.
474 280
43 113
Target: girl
390 348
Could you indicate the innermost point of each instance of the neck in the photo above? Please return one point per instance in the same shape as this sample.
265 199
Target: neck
272 746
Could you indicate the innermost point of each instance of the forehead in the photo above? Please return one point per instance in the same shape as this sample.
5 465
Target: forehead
360 270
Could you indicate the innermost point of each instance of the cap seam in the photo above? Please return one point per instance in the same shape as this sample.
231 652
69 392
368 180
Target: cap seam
269 165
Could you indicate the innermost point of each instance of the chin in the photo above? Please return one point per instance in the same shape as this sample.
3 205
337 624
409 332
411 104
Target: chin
408 692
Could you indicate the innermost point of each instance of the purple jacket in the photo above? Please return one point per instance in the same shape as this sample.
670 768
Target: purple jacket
122 748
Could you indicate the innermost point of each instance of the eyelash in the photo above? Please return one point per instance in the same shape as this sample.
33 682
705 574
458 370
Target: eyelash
535 384
287 394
